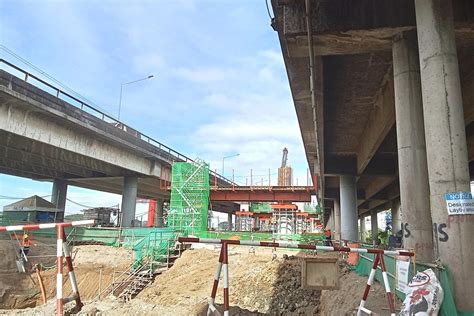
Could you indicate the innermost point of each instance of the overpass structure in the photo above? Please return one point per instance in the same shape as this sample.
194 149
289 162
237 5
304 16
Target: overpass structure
384 95
49 134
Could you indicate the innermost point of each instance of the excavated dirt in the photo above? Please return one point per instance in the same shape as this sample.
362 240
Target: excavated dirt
259 284
93 266
346 300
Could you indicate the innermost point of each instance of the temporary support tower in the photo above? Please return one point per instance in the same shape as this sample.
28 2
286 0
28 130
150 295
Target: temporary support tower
244 221
189 197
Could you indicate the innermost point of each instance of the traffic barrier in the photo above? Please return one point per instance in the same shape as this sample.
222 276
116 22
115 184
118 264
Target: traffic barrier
223 263
62 248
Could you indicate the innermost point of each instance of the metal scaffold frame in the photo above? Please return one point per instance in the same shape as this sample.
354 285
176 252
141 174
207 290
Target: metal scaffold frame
189 197
244 221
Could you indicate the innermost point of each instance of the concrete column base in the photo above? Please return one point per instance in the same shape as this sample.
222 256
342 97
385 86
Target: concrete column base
58 197
229 221
349 216
129 201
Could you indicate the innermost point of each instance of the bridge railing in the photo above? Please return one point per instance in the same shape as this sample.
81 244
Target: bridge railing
83 105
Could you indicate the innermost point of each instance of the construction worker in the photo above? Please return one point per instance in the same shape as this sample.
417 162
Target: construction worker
327 233
25 245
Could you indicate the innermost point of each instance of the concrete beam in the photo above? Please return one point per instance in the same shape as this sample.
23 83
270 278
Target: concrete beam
19 121
336 165
340 16
44 167
349 42
381 121
30 151
259 196
382 165
16 168
115 185
378 184
334 193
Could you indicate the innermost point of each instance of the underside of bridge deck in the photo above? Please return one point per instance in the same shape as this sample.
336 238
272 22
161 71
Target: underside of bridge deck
352 43
384 95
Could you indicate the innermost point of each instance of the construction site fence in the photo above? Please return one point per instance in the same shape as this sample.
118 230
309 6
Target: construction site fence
152 242
258 236
448 308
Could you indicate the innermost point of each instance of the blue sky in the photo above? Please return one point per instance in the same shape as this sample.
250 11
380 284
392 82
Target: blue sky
220 85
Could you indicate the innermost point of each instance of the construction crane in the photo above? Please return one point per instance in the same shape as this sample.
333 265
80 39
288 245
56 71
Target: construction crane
285 173
284 158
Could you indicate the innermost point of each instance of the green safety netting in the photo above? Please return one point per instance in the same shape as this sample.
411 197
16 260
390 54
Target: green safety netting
312 209
261 207
106 236
151 243
302 238
448 308
189 197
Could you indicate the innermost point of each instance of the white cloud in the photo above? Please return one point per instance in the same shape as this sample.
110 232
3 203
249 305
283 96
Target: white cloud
220 78
148 62
201 75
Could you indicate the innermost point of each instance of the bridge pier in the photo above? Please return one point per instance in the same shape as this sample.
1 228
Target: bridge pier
129 200
159 213
58 197
446 145
337 219
374 226
412 163
396 218
348 194
229 221
362 228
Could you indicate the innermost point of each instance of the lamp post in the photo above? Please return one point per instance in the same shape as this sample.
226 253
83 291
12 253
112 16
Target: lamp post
121 89
224 158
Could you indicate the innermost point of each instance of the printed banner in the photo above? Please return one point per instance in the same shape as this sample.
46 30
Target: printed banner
402 274
459 203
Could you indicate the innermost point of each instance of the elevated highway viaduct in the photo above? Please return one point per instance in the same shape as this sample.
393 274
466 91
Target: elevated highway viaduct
47 134
384 95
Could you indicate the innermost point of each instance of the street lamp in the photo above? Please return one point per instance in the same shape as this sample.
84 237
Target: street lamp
224 158
126 83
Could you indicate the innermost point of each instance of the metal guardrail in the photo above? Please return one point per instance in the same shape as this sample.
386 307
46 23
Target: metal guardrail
104 117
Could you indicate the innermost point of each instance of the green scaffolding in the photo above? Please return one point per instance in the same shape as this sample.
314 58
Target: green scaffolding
189 197
312 209
261 207
152 244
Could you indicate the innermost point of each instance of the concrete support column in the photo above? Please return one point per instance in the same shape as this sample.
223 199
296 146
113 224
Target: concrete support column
58 197
362 228
332 220
396 217
337 219
374 226
229 221
446 145
159 213
129 200
412 165
349 214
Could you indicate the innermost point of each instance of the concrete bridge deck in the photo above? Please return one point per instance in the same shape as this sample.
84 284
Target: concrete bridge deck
48 134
